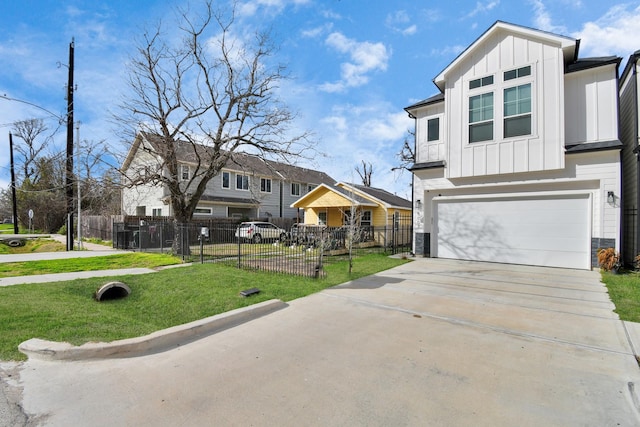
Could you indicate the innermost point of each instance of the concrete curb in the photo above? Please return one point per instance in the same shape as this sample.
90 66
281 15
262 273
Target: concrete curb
165 339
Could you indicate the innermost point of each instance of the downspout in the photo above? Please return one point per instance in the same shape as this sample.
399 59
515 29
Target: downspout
281 200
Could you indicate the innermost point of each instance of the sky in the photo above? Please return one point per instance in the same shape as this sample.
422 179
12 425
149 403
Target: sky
354 65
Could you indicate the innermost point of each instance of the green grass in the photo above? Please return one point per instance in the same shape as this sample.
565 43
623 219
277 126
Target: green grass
66 311
624 291
33 245
124 260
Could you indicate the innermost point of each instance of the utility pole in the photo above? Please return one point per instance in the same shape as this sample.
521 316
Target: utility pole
69 168
13 188
79 182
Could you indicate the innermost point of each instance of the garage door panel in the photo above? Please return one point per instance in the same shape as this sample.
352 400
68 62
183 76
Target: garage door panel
551 231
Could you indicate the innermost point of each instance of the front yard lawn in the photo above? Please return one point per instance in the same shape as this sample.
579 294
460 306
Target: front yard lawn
66 311
624 291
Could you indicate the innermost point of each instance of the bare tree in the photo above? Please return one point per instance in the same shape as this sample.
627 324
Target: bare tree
407 155
365 173
30 131
209 97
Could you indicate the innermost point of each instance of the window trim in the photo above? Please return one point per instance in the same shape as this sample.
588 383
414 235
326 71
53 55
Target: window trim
263 181
297 184
510 117
364 222
320 220
182 172
228 186
437 121
483 121
525 74
203 211
242 176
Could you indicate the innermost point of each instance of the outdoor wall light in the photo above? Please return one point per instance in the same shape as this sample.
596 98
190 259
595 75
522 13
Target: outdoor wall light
418 203
611 198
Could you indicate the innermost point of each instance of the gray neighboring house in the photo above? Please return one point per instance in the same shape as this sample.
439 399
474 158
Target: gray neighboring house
629 135
247 187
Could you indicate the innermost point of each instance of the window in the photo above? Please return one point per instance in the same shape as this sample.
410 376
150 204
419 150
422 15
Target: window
517 110
484 81
202 211
481 117
265 185
433 129
157 212
242 182
184 172
322 218
141 210
226 179
519 72
310 187
295 189
365 221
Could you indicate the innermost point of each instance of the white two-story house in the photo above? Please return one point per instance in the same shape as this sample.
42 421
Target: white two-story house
518 154
247 187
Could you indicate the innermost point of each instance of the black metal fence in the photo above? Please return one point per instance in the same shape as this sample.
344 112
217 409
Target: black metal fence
300 250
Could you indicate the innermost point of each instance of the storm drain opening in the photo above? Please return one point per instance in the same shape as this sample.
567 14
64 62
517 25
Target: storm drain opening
111 291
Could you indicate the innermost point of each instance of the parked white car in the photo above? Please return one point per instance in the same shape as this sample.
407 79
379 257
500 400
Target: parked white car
256 232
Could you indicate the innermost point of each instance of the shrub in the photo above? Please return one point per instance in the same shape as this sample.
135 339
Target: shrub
608 259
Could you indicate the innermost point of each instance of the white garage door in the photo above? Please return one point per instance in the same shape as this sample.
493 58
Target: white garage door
548 231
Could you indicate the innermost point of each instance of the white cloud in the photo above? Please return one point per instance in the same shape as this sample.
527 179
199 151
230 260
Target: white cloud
542 19
274 7
483 8
372 132
448 50
366 57
615 33
317 31
399 21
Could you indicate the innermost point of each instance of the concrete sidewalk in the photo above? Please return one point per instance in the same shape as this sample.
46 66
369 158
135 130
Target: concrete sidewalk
91 250
433 342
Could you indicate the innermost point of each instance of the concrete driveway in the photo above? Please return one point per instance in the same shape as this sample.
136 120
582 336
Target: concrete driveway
434 342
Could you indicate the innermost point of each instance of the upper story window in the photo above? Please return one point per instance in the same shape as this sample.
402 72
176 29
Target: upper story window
310 187
226 180
242 182
517 110
518 72
481 117
484 81
433 129
295 189
184 172
265 185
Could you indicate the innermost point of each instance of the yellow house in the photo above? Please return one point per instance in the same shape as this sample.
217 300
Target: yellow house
335 206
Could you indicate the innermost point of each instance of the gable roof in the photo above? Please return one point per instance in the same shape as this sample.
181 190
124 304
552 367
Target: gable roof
568 45
383 196
189 153
358 195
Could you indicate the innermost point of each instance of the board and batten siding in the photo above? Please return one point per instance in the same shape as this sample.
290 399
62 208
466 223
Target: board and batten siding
430 151
591 105
629 119
543 149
